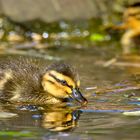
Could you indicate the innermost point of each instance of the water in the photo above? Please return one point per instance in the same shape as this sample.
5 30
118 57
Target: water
103 117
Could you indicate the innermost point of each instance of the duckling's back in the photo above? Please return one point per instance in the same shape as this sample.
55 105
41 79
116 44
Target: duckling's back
20 77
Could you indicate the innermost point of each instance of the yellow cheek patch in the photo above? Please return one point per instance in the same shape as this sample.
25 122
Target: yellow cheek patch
55 86
63 77
63 88
54 89
47 77
67 89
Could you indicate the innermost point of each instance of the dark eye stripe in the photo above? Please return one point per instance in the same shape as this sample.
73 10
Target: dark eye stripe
134 14
50 81
62 82
55 78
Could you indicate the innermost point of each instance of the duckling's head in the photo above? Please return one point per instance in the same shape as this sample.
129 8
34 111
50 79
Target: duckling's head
61 81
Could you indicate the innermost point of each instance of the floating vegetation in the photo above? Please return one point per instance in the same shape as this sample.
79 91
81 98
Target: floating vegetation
16 134
95 37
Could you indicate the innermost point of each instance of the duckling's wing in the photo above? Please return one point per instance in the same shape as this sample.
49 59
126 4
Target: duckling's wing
4 78
5 75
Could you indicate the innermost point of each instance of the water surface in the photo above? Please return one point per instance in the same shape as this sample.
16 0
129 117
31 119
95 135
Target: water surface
103 117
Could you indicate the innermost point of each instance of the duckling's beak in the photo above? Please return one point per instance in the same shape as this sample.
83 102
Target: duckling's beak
76 95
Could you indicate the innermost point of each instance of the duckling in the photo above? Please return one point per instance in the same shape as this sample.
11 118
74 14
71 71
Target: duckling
31 80
131 25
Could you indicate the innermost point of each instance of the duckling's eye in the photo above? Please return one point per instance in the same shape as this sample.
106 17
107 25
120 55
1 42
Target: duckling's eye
63 82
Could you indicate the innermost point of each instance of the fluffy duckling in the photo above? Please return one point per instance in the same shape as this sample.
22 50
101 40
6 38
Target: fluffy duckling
31 80
131 25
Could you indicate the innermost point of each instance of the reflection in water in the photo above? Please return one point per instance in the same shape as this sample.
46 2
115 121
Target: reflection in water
53 119
60 120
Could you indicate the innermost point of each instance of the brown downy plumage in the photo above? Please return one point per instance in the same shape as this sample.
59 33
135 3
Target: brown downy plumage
31 80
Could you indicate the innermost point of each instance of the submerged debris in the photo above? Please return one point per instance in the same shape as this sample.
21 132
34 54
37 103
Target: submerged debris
132 113
132 61
6 115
